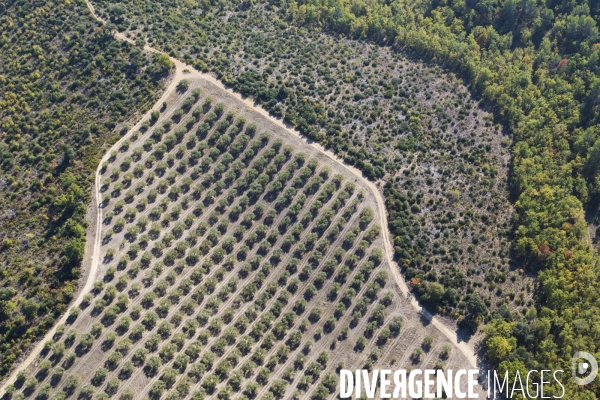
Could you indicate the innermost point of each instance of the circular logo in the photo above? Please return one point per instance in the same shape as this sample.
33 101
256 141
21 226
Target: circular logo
580 368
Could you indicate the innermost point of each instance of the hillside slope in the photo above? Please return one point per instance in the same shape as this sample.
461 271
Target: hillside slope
534 65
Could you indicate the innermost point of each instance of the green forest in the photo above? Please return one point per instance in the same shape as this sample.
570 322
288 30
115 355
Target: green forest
344 74
66 87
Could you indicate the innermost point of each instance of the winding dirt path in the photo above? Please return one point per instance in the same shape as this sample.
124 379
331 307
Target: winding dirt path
190 72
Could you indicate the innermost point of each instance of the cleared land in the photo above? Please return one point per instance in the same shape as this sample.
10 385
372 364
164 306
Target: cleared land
234 257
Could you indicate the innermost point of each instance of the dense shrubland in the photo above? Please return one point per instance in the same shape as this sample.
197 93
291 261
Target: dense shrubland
65 84
237 266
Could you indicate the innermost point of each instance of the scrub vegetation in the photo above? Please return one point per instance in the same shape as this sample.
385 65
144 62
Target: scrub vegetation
66 87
